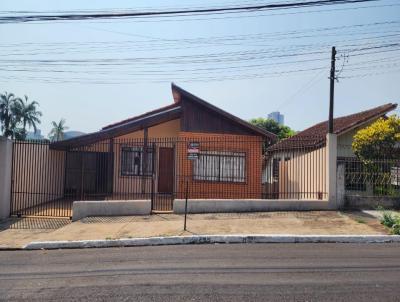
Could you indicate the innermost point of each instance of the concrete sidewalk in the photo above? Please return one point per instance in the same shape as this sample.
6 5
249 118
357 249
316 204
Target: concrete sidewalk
100 228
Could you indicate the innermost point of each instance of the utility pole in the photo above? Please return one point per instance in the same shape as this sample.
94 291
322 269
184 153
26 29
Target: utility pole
332 89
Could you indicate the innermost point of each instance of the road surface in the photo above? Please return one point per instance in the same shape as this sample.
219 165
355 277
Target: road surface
252 272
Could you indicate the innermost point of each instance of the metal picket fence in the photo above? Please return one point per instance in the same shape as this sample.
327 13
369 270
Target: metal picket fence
46 181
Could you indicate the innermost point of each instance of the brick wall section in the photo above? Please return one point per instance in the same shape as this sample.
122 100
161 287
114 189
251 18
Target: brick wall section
250 145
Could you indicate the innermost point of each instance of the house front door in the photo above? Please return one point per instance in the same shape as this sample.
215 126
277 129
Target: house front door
166 170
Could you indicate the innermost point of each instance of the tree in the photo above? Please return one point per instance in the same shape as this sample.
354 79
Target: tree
16 114
9 114
379 140
28 115
57 132
270 125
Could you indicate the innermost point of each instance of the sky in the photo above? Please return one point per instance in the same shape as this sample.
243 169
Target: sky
232 61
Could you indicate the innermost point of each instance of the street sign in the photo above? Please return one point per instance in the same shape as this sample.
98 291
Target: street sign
193 147
193 156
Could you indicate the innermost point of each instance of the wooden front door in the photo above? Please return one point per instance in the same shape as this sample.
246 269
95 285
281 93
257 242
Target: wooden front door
166 170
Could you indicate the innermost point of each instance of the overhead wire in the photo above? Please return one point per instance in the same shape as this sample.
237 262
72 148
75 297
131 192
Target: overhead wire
132 14
262 61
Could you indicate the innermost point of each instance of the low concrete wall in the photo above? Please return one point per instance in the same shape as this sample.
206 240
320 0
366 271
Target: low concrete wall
247 205
365 202
5 176
82 209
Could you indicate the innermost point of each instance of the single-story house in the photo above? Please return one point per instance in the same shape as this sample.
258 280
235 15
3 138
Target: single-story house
295 168
151 156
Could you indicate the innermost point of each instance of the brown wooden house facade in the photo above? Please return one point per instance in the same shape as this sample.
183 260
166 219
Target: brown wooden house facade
190 143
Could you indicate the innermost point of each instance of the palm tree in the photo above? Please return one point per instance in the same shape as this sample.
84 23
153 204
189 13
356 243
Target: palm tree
28 115
57 132
9 117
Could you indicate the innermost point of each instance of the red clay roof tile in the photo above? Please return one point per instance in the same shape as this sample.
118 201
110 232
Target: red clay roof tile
316 135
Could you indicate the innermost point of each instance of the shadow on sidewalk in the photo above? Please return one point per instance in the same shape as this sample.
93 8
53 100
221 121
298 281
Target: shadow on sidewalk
33 223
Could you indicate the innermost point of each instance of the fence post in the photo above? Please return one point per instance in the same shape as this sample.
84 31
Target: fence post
5 176
331 159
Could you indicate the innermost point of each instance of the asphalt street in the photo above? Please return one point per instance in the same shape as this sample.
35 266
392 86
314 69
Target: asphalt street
252 272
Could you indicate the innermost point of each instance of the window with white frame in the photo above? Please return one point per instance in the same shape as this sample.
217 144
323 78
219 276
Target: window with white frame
220 166
134 161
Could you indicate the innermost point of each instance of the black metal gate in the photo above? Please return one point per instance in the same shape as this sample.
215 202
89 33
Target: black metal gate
88 175
38 176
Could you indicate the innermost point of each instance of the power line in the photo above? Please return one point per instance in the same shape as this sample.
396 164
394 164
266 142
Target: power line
314 80
369 74
191 73
262 36
225 17
65 48
182 12
202 58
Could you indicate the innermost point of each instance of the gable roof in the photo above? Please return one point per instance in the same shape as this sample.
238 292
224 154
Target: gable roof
158 110
152 118
315 136
180 93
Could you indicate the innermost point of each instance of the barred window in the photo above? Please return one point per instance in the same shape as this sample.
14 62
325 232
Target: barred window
133 161
220 166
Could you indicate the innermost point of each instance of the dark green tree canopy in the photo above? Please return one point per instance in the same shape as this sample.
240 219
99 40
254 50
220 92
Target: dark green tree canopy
16 115
270 125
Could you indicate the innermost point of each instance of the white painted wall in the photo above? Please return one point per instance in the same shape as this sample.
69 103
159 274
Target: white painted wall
5 176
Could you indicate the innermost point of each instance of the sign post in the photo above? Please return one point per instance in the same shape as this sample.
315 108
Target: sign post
193 150
186 201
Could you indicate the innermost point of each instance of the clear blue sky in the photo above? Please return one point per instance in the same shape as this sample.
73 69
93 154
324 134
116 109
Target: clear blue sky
111 93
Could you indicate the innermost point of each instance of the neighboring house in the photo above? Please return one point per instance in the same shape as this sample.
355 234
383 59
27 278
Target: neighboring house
295 168
147 156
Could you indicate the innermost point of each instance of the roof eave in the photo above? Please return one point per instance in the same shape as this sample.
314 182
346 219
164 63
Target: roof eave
118 130
385 109
367 120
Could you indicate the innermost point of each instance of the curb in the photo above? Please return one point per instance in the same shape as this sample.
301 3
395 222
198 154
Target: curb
211 239
10 248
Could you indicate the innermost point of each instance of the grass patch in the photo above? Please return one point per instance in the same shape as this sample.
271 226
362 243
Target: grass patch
360 220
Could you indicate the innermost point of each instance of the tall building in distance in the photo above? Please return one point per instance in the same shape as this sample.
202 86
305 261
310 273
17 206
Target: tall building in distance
277 117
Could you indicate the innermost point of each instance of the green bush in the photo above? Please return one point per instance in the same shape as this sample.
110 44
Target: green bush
396 228
388 219
391 221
